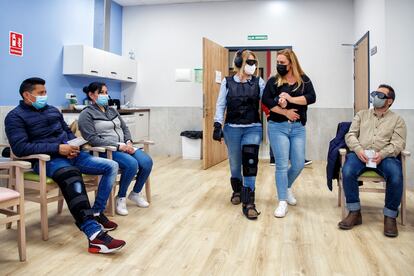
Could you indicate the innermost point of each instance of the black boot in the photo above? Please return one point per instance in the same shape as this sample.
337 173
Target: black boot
249 208
236 185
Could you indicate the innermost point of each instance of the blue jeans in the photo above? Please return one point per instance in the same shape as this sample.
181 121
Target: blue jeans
88 164
287 140
137 164
389 168
235 138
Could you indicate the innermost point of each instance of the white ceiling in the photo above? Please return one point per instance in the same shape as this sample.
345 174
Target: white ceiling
162 2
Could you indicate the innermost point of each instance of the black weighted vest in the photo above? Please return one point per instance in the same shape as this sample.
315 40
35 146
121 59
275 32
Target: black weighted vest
243 101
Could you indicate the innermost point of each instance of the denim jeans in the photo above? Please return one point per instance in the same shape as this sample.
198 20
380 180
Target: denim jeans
139 164
88 164
287 140
235 138
389 168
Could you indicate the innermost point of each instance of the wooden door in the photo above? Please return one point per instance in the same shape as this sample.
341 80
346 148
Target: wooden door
215 58
361 74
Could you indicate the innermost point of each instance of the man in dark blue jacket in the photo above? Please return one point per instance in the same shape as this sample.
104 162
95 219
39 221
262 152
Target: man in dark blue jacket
34 127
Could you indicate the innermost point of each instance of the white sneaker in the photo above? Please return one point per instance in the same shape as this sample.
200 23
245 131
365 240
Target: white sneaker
139 199
121 208
281 210
291 200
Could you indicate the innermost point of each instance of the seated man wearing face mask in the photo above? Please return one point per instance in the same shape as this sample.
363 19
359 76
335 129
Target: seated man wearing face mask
34 127
383 132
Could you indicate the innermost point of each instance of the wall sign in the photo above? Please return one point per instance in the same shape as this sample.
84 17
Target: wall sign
16 44
257 37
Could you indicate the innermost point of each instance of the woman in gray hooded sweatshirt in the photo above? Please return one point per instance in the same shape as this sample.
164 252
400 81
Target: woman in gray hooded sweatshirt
102 125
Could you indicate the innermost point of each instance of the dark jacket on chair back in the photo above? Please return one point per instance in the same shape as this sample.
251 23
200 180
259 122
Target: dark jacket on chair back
334 160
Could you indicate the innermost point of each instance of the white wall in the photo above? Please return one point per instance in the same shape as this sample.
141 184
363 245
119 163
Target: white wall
170 36
391 24
399 31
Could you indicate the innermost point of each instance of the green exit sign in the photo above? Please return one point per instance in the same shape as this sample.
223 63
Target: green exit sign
257 37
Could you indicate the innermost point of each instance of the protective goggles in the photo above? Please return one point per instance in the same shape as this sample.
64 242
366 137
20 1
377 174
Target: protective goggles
380 95
251 62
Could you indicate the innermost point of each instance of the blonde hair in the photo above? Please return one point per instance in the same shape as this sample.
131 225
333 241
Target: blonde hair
296 69
245 56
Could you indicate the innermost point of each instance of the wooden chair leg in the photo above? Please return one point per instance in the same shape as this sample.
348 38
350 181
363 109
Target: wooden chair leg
110 207
21 229
148 190
10 185
403 205
339 194
44 224
343 207
9 224
60 203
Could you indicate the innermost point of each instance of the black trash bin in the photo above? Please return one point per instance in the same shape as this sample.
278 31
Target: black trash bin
191 144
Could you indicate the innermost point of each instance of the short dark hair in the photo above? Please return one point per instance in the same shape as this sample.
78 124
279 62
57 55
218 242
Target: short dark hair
92 87
29 84
391 92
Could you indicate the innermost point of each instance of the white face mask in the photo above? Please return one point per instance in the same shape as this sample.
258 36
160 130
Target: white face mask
249 69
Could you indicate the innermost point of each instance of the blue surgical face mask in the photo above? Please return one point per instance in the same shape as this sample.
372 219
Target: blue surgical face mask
102 100
41 101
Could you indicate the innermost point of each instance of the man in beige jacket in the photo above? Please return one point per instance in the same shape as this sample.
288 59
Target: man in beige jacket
376 138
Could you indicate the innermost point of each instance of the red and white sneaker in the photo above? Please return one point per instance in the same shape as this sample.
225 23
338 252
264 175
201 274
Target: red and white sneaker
107 225
103 243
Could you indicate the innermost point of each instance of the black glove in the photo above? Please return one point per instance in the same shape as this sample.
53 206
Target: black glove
218 132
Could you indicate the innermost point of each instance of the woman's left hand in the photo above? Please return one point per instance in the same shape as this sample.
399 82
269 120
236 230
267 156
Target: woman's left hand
286 96
130 149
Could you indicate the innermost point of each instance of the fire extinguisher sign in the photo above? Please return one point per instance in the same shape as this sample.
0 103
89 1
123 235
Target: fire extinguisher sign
16 44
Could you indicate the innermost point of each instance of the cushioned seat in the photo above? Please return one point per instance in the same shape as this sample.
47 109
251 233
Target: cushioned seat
7 194
32 176
370 174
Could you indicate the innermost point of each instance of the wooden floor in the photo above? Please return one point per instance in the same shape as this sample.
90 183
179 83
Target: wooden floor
192 229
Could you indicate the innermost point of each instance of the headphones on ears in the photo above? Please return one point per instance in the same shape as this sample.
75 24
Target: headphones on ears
238 59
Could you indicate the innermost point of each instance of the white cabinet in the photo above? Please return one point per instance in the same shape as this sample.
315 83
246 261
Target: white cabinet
138 124
142 126
81 60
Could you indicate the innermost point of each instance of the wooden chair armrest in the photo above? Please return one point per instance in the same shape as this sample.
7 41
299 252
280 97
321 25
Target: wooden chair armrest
43 157
110 148
96 149
406 153
20 164
144 142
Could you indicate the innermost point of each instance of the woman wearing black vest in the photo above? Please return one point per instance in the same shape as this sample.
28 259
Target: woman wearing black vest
288 95
240 97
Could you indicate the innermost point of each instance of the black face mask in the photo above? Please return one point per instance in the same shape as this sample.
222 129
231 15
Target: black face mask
282 69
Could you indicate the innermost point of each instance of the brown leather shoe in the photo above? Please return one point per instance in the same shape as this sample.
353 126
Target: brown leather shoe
353 218
390 227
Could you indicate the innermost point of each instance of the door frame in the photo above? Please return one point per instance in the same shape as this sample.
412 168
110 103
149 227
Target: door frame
366 35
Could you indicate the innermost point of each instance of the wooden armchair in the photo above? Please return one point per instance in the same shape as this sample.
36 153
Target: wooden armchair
111 201
372 176
10 197
44 190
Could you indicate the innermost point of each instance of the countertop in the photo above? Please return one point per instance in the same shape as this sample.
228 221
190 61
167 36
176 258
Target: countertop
121 111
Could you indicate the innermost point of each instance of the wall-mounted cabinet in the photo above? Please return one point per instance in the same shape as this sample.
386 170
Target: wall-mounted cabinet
81 60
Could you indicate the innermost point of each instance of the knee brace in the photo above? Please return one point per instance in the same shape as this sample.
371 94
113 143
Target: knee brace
250 158
71 184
